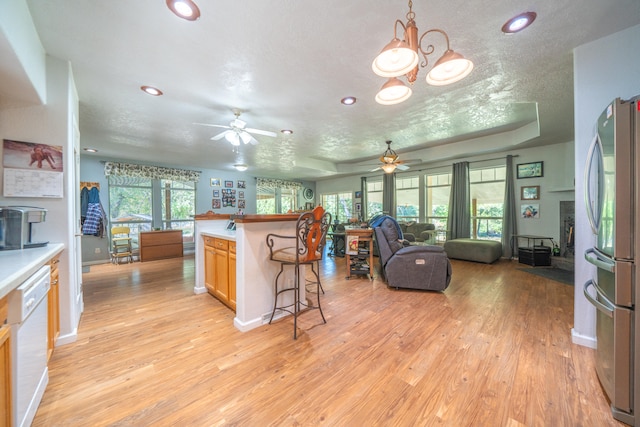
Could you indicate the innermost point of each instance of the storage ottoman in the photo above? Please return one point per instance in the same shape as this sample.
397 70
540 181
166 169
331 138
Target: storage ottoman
477 250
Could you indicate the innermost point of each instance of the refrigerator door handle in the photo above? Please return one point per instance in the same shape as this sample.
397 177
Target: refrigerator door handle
607 310
591 210
592 256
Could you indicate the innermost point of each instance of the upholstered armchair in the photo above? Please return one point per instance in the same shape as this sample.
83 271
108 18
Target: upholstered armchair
414 267
419 232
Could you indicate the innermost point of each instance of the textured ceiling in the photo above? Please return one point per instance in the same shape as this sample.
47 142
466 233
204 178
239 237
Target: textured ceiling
287 64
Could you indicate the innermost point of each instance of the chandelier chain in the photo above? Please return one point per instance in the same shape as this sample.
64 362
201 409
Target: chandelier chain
410 15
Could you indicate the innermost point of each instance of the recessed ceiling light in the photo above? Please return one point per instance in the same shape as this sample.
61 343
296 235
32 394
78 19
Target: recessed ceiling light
287 131
151 90
349 100
90 150
519 22
185 9
241 167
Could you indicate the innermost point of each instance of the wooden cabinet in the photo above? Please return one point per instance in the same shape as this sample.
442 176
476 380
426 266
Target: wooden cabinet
232 275
5 366
209 264
220 269
53 306
161 244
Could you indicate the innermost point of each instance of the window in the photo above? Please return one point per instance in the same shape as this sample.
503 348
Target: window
288 198
438 193
340 205
145 203
178 205
271 200
130 203
374 198
487 202
407 199
265 200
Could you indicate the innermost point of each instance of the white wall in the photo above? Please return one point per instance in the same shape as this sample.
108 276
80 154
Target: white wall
555 186
605 69
51 124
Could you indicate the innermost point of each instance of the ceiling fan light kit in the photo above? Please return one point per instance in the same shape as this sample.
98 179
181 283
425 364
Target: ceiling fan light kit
388 168
390 161
237 133
401 57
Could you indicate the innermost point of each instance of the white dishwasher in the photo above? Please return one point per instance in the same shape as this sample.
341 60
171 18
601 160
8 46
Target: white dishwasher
29 322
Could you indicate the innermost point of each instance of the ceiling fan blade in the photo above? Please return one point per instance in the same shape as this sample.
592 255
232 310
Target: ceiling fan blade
219 136
213 126
261 132
376 169
402 167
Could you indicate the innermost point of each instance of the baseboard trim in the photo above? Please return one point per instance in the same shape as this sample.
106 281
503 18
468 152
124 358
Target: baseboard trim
583 340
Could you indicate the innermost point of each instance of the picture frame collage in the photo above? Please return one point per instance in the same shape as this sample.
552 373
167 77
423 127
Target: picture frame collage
228 195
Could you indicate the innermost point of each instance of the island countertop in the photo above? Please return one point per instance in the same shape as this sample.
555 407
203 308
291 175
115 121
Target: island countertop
244 219
17 265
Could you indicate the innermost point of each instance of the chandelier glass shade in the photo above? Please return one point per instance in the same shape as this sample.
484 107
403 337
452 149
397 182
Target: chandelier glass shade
401 57
392 92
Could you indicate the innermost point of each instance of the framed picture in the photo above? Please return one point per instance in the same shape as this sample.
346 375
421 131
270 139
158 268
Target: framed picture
241 204
242 184
530 211
215 182
530 193
228 184
358 194
240 194
530 170
216 193
215 203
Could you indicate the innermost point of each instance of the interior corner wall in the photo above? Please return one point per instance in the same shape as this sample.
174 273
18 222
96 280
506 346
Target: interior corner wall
604 69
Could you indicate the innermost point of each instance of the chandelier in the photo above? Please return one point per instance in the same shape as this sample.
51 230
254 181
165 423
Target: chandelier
400 57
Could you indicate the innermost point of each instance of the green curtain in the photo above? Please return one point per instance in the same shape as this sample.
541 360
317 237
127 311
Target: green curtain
459 219
510 213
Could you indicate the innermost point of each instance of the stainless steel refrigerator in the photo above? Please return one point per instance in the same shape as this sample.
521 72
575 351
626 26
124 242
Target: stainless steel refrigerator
611 196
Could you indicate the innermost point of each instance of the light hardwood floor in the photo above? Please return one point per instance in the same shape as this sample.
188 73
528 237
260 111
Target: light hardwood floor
493 350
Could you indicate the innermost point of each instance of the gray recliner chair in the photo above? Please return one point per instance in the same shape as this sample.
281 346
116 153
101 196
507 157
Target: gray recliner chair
413 267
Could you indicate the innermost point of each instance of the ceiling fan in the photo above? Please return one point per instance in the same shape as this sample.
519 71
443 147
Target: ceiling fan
237 131
390 161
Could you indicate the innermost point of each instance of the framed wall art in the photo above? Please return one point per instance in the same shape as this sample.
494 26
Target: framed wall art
530 211
228 184
216 193
242 184
530 193
530 170
215 182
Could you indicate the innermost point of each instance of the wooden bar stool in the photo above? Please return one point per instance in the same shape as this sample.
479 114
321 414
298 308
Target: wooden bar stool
305 248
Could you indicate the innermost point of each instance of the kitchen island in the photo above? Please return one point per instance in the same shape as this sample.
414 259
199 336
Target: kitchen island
255 273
